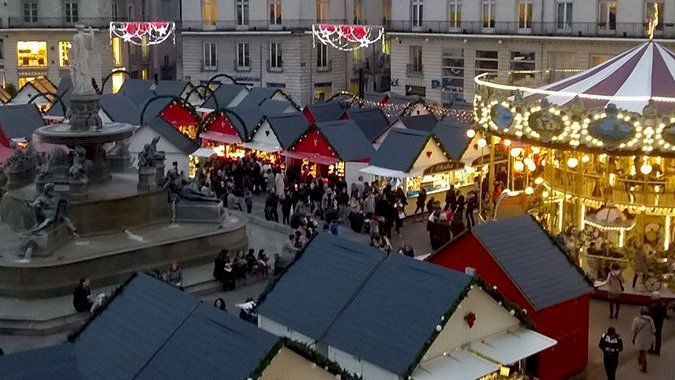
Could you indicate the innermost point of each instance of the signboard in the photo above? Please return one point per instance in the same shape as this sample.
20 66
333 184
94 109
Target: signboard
444 167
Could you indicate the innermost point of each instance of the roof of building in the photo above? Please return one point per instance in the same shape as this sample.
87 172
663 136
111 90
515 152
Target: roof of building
346 139
56 362
329 111
20 120
372 121
64 91
395 98
537 266
381 308
288 128
141 90
376 97
151 329
120 108
252 116
400 149
225 94
425 122
173 135
453 138
257 95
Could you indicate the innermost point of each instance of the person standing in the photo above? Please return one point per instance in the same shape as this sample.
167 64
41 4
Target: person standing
640 265
615 289
471 205
611 345
82 296
658 310
419 205
450 199
643 330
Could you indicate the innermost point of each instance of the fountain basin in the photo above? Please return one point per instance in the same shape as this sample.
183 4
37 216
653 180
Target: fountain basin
63 134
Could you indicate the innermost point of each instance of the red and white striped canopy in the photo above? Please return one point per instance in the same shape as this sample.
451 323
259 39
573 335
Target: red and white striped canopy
629 80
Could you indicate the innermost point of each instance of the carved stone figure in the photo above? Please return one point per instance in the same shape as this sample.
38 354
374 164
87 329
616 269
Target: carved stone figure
146 157
45 208
156 154
77 171
80 71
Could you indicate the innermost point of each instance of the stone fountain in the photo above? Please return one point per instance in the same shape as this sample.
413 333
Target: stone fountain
71 213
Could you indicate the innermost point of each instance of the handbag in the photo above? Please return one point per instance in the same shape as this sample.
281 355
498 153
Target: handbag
401 215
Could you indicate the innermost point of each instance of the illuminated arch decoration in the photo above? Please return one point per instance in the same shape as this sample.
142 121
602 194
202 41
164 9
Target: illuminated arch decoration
140 33
346 37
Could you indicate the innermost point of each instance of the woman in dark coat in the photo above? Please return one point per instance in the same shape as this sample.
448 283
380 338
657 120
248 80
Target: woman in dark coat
219 265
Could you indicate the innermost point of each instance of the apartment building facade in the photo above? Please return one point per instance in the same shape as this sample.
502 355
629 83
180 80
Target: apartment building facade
439 46
268 43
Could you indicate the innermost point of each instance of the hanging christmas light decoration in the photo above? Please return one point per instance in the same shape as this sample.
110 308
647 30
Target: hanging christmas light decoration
140 33
346 37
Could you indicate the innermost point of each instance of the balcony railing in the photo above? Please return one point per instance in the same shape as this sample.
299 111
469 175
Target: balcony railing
253 25
55 22
577 29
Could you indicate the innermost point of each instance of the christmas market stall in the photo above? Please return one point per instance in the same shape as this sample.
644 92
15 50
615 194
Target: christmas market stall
518 258
386 316
335 149
4 96
425 123
59 108
602 136
321 112
275 134
39 91
225 96
372 121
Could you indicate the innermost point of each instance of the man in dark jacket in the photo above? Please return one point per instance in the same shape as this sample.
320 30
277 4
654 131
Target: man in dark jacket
81 296
611 344
658 310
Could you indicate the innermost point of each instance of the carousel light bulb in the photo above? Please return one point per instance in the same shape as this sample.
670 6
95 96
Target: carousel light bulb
531 166
470 133
536 150
518 166
572 162
538 181
529 190
645 168
585 158
507 142
544 194
515 152
482 143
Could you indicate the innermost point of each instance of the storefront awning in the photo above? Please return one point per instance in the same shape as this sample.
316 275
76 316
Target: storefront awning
220 137
203 152
384 172
512 346
265 147
459 365
315 158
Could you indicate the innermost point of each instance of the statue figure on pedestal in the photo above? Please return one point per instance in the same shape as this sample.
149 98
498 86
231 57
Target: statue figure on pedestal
78 170
45 208
146 157
78 55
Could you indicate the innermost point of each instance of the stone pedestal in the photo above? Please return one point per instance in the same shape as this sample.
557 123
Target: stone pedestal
147 179
78 190
119 164
45 243
18 178
84 112
159 175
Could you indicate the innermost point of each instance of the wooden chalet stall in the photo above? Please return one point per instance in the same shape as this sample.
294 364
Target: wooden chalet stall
518 258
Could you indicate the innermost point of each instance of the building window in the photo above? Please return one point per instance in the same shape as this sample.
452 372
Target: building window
455 13
522 61
525 14
322 56
487 61
114 9
649 13
64 49
607 14
117 80
276 61
489 12
117 51
242 12
564 16
321 10
452 75
209 12
210 58
415 60
275 12
417 13
358 12
243 55
30 11
32 53
597 59
70 8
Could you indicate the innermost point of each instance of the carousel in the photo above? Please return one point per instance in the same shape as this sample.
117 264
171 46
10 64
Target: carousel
595 154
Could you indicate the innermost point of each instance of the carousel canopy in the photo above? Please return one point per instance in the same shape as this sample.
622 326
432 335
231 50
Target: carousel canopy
628 80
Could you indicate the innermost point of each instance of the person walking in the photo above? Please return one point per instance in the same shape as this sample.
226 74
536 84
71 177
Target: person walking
658 310
615 289
611 345
643 330
419 205
471 205
640 265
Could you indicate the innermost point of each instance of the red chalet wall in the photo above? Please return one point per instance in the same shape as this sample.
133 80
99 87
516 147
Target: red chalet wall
566 322
314 143
177 115
308 115
221 124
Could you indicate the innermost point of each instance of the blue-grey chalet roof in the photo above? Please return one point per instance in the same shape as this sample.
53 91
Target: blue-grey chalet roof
120 108
20 120
140 90
155 107
376 97
257 95
453 138
402 99
308 298
64 91
152 330
252 116
171 134
225 94
347 139
425 122
329 111
537 266
372 121
288 128
397 311
400 149
378 307
51 363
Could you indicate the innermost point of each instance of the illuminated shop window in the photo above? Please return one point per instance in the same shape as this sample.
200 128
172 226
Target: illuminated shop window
64 49
31 53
